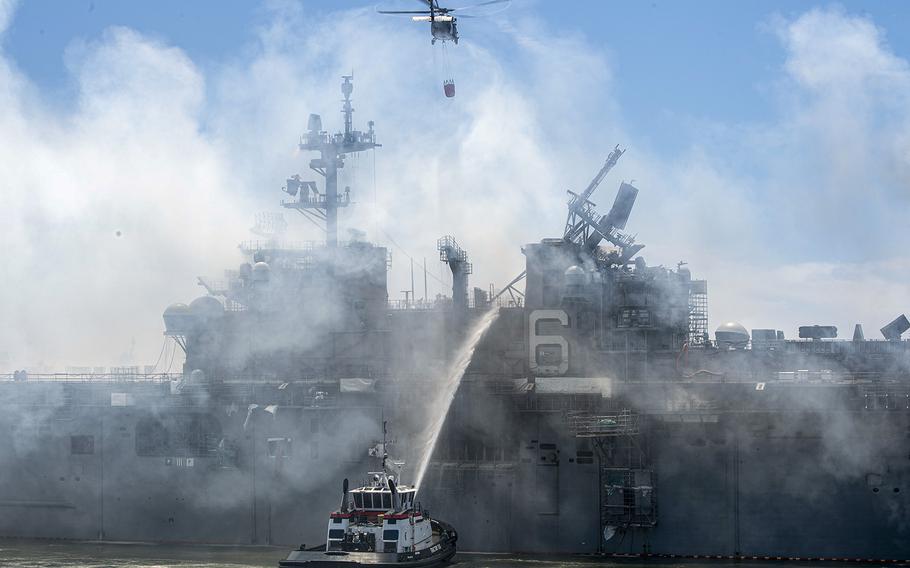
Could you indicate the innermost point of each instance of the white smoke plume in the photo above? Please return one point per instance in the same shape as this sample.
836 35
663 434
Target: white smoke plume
793 221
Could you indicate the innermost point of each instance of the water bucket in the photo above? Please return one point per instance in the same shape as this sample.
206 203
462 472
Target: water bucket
449 87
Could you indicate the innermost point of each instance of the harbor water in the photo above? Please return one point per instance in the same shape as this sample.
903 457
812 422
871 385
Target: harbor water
63 554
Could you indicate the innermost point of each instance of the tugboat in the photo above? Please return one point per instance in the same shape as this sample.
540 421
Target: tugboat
379 524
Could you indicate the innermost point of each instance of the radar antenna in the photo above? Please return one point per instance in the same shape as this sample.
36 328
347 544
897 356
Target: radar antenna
323 207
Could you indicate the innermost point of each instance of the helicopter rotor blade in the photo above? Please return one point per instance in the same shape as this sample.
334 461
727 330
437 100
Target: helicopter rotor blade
488 3
400 12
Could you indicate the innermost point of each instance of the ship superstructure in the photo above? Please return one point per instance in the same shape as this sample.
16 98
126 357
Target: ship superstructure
597 414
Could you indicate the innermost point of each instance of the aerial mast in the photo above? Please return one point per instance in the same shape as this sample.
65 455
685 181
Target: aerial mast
332 150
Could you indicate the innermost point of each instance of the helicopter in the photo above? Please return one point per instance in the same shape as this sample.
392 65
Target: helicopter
443 25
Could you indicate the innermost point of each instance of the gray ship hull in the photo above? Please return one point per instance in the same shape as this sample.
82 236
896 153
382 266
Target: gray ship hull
741 481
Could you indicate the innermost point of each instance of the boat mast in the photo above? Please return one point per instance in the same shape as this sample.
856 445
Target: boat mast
385 454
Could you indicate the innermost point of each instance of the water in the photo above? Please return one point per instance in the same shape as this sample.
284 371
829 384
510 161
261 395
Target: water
439 405
57 554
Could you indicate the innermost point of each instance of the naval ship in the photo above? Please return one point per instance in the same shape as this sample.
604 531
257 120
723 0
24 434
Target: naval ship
598 415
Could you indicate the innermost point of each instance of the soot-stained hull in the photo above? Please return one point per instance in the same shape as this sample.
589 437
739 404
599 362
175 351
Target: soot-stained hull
727 480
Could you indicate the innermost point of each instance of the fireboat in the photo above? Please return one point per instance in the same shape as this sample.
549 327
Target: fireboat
379 524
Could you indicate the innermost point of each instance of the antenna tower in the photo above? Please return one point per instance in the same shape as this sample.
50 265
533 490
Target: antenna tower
332 148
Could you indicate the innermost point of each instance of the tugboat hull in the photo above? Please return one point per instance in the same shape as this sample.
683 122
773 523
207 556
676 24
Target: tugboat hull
436 554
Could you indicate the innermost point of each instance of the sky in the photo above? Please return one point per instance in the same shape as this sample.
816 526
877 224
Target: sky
768 139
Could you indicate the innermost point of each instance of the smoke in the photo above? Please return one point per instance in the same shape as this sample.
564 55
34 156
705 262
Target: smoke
111 206
114 202
7 8
793 220
175 158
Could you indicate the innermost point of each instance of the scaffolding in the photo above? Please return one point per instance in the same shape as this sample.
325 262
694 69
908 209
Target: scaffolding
698 312
628 496
624 423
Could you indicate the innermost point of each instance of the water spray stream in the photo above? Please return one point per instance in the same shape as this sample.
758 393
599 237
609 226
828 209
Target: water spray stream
446 393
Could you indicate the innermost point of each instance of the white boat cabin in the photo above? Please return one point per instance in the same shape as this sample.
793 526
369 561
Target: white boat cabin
380 517
380 499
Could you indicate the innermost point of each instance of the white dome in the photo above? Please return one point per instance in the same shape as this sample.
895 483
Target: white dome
732 334
733 327
206 307
176 309
178 318
261 272
576 276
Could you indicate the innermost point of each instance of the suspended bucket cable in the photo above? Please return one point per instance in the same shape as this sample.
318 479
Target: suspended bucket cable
448 84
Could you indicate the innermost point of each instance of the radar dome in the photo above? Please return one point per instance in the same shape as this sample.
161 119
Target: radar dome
206 308
731 334
178 318
575 276
261 272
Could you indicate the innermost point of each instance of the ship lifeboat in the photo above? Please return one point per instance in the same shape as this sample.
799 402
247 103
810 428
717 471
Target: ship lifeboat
448 86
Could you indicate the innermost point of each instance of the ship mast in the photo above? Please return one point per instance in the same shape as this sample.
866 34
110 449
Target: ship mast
332 148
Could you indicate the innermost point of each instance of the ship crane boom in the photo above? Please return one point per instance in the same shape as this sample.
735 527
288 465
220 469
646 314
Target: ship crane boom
586 228
580 205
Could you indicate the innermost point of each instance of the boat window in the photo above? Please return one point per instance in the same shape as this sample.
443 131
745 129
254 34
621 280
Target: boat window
393 521
391 534
336 520
386 500
358 500
336 533
368 500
